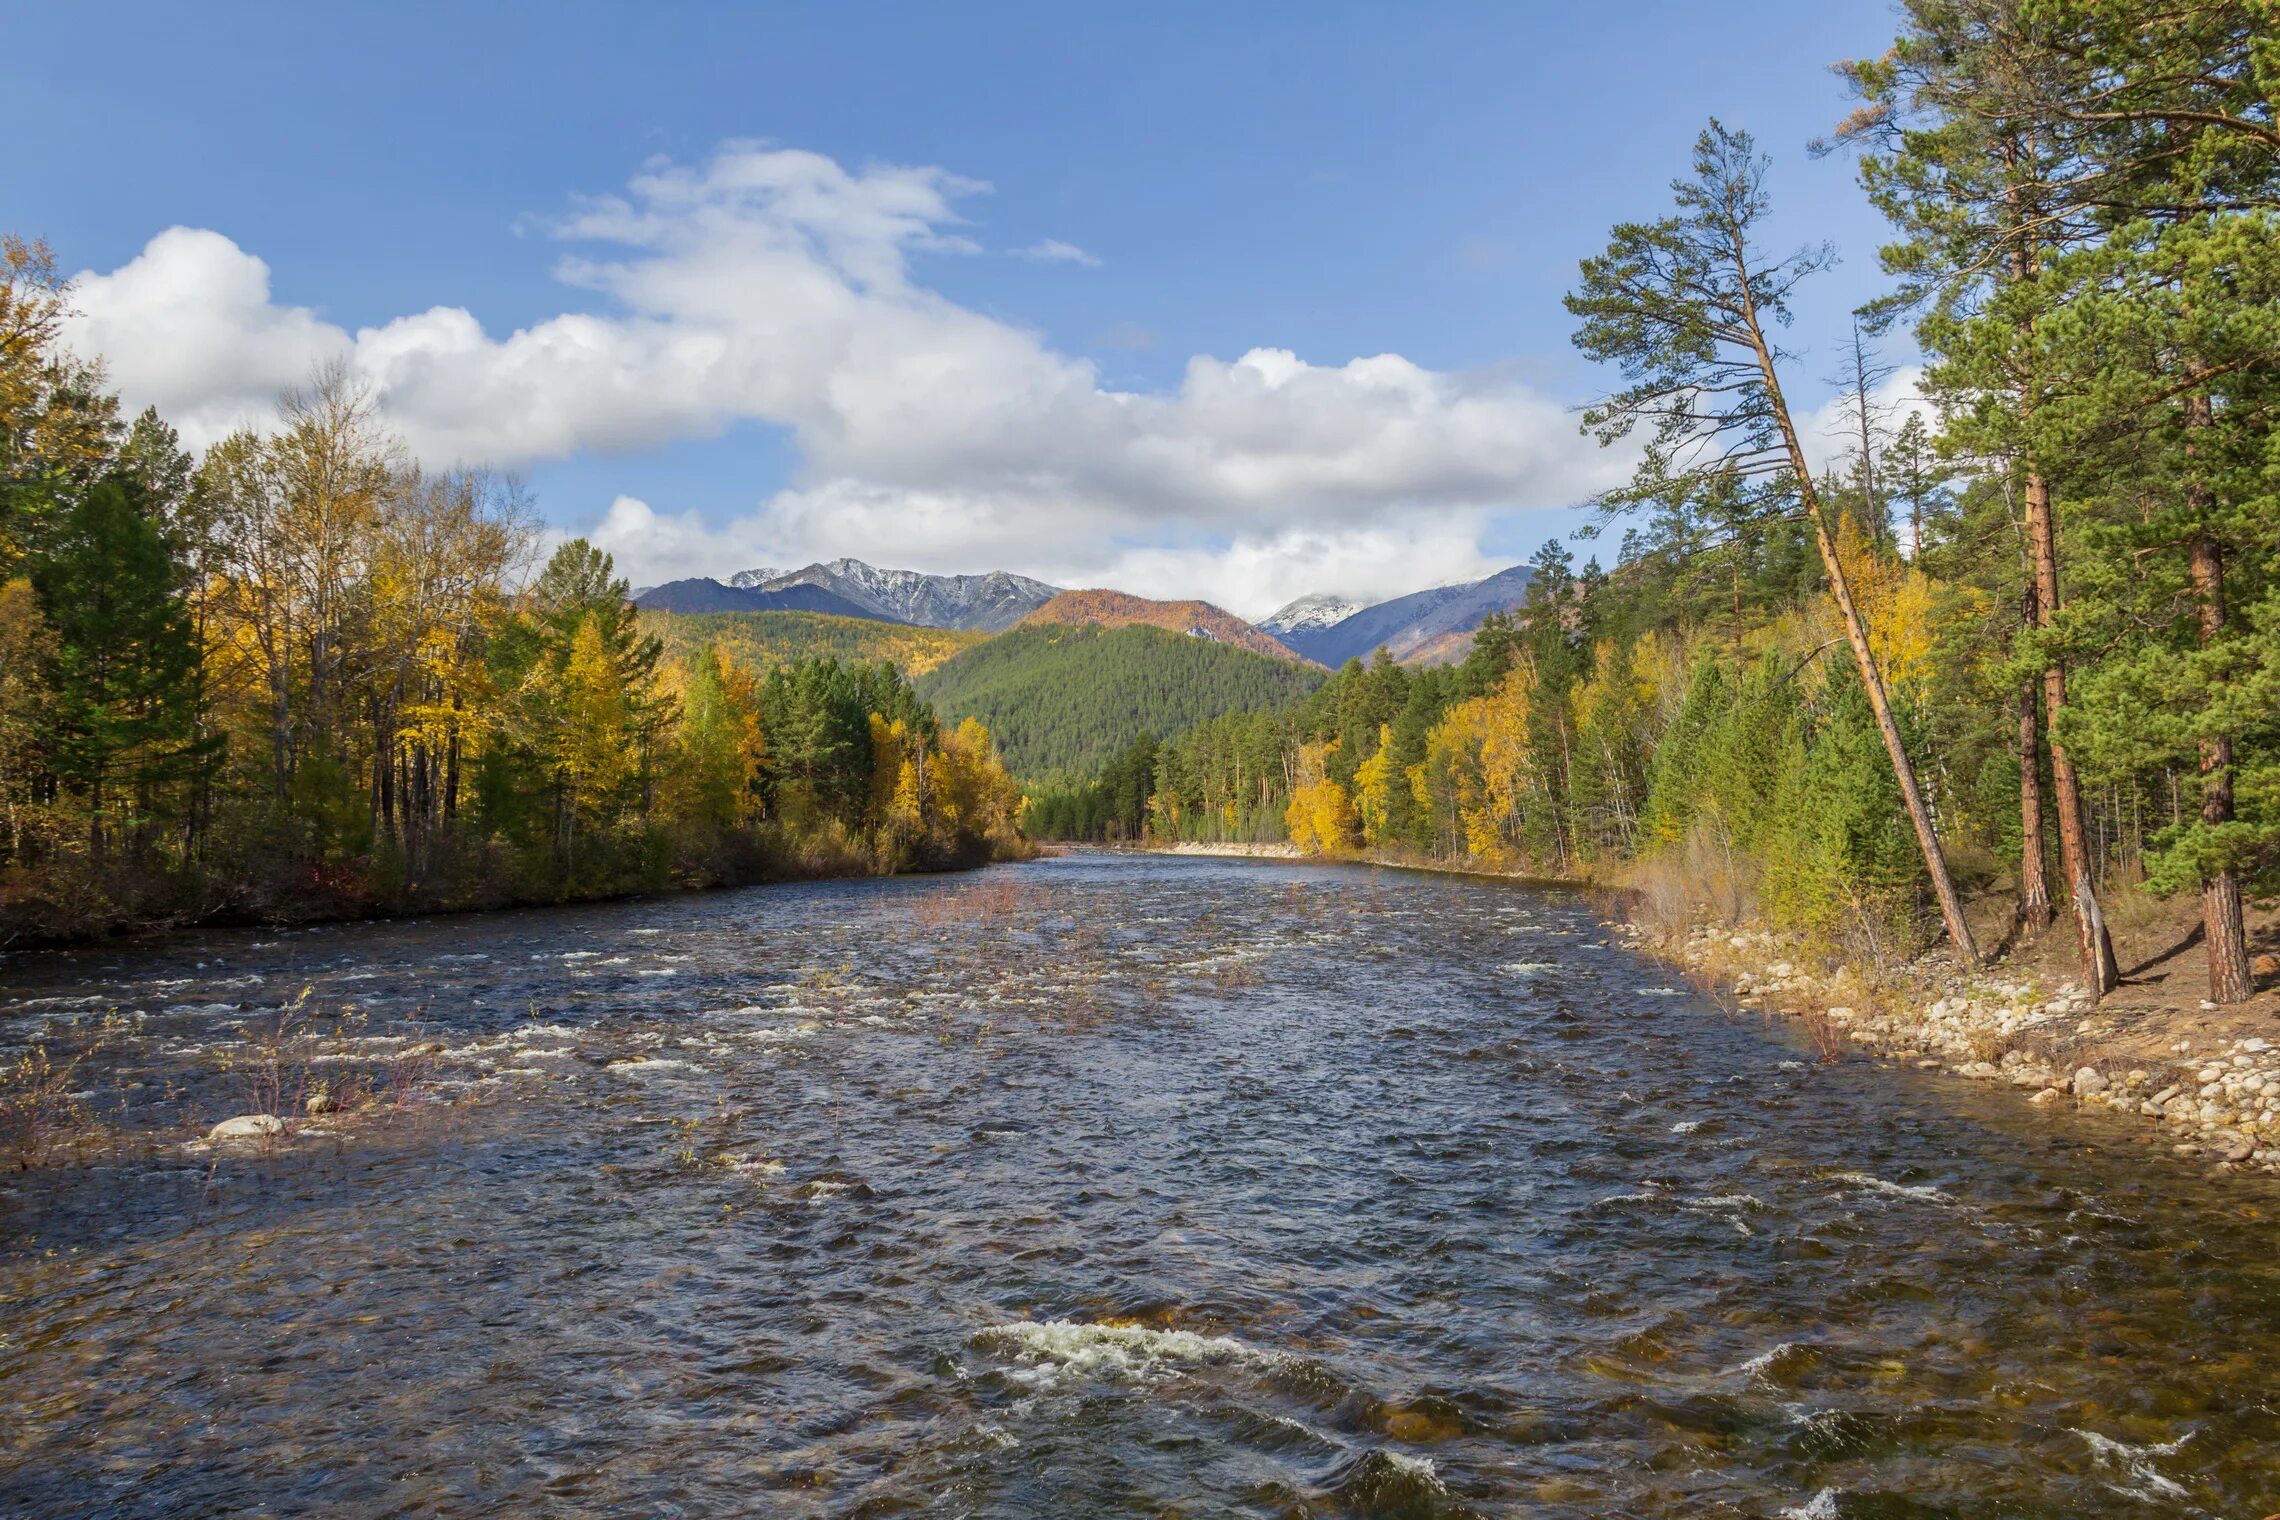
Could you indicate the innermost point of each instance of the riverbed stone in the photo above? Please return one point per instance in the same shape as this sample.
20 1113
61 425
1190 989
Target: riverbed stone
2231 1145
2047 1096
247 1127
2088 1080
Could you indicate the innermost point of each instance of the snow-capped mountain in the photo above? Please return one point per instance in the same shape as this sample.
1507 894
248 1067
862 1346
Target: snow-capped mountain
1318 609
1425 626
990 602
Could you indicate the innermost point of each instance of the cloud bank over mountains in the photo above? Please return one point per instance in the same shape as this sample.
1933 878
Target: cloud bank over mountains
776 286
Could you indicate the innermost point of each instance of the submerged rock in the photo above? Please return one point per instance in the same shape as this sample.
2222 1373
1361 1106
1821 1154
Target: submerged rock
2231 1145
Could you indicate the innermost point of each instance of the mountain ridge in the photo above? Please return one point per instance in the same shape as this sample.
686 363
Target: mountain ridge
992 601
1427 627
699 594
1101 608
1417 627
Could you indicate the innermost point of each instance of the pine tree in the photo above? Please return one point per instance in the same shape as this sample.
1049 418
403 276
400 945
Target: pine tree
1683 306
124 687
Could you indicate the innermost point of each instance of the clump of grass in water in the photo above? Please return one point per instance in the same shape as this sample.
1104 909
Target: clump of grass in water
42 1110
279 1069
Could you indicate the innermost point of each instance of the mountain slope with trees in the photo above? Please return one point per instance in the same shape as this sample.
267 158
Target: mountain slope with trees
1063 698
698 595
760 640
1118 609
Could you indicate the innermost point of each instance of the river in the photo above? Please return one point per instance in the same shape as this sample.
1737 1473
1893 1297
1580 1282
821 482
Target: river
1096 1186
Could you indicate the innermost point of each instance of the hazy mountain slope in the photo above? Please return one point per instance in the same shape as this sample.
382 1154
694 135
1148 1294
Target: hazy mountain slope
1408 626
700 595
1061 698
763 639
1118 609
990 601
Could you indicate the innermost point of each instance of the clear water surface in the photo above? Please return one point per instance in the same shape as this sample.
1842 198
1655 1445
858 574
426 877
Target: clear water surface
1094 1187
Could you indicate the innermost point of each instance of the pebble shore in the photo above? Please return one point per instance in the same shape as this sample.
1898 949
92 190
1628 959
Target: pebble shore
2216 1102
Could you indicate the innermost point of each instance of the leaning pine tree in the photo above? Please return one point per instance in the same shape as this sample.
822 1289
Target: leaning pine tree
1682 306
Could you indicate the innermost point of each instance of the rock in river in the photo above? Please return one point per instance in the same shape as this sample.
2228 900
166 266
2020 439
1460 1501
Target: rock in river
247 1127
2231 1145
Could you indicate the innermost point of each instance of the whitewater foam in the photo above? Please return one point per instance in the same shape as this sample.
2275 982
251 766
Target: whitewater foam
1763 1361
2137 1461
1891 1189
1058 1351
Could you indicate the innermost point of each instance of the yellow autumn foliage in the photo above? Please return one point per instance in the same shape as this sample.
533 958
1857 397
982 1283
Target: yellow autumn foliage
1895 603
1373 785
1321 817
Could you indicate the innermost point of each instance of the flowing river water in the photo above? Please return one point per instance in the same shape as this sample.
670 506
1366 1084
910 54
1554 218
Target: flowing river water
1097 1186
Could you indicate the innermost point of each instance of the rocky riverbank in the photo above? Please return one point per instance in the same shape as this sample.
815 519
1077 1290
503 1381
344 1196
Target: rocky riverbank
2211 1086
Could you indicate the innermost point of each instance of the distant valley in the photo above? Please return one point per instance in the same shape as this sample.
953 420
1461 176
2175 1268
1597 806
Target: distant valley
1063 678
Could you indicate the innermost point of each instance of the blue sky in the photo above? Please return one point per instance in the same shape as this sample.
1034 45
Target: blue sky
814 333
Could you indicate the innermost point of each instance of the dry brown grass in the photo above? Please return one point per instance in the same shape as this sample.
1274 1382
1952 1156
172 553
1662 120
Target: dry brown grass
1830 1039
1673 891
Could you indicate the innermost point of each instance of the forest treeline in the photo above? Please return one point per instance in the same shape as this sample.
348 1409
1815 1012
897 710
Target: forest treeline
2026 637
302 675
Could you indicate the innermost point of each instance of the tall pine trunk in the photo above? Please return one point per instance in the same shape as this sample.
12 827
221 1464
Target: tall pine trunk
2034 888
2223 932
2099 966
2100 969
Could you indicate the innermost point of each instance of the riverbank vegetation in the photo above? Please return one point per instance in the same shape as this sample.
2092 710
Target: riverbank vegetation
304 676
2024 639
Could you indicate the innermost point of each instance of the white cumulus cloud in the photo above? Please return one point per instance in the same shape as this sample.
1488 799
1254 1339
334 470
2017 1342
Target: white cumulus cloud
778 286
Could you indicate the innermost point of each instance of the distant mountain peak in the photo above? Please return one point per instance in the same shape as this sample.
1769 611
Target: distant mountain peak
1424 627
1317 609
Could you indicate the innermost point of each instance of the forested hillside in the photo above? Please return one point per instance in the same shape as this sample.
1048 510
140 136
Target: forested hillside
1063 699
2024 646
762 639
